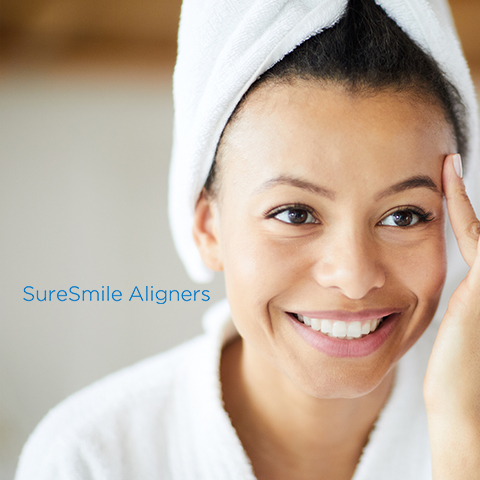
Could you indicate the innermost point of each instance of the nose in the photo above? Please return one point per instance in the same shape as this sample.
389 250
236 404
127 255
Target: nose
350 263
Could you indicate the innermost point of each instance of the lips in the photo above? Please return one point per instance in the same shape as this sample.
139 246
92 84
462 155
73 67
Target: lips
340 341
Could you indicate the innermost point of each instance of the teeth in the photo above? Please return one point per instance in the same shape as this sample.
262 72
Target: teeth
354 330
316 324
339 329
366 328
326 326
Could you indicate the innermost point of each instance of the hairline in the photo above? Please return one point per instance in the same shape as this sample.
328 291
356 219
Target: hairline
409 91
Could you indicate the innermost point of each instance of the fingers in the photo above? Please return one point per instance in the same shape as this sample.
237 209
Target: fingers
465 224
475 270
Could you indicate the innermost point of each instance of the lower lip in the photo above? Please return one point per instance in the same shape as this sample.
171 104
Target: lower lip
338 347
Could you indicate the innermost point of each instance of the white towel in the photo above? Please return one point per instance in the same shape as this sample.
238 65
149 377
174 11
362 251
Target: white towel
224 45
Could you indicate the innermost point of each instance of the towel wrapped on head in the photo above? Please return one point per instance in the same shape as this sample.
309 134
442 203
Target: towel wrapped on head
224 46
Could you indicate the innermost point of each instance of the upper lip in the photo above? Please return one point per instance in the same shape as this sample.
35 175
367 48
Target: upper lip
347 316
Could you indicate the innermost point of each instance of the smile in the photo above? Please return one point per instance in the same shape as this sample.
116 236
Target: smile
344 334
340 329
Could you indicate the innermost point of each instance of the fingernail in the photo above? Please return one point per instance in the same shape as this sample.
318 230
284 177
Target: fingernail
457 164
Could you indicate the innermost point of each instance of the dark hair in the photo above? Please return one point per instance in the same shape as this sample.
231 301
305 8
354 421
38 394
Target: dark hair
365 52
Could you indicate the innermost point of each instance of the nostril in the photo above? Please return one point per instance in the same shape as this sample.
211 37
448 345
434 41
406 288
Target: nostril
353 274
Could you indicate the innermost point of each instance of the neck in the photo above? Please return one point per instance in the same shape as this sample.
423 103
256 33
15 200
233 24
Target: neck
281 425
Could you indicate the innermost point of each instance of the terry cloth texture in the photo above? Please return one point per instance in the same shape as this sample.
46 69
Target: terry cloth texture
163 419
223 47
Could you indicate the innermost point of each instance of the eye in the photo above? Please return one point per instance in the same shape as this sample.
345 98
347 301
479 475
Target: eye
293 215
406 218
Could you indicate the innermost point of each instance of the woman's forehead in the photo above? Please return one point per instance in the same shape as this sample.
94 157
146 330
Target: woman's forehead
355 146
314 128
298 103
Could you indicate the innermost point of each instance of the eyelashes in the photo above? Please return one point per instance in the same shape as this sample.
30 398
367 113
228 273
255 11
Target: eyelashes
407 216
300 214
296 214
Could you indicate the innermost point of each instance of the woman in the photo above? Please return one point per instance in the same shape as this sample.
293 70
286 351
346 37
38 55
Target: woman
324 208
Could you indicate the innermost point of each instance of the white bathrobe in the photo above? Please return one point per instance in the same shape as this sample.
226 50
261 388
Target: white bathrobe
163 419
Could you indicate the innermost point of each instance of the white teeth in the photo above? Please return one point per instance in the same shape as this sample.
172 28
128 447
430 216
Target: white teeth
326 326
339 329
316 324
354 330
366 328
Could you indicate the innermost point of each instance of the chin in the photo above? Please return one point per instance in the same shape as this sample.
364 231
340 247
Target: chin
342 382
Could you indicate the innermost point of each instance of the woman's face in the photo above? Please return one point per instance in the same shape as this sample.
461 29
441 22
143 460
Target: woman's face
330 208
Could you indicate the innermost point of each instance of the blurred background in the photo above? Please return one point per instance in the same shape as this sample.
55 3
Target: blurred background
85 138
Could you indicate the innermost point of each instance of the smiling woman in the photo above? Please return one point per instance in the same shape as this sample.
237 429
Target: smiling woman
338 247
319 192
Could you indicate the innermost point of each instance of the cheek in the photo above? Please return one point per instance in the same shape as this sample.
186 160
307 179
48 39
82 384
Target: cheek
260 272
422 269
255 265
419 272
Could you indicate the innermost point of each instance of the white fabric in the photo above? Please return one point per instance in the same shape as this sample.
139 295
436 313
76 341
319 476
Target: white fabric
223 46
163 419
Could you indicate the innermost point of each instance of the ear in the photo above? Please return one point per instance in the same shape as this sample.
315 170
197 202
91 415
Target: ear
205 232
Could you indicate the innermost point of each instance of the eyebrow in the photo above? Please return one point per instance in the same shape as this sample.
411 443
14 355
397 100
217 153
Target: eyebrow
417 181
296 182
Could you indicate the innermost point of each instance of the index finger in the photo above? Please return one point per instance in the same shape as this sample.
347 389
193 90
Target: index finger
465 223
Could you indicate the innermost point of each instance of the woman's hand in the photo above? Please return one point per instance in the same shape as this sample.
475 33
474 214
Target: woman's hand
452 382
